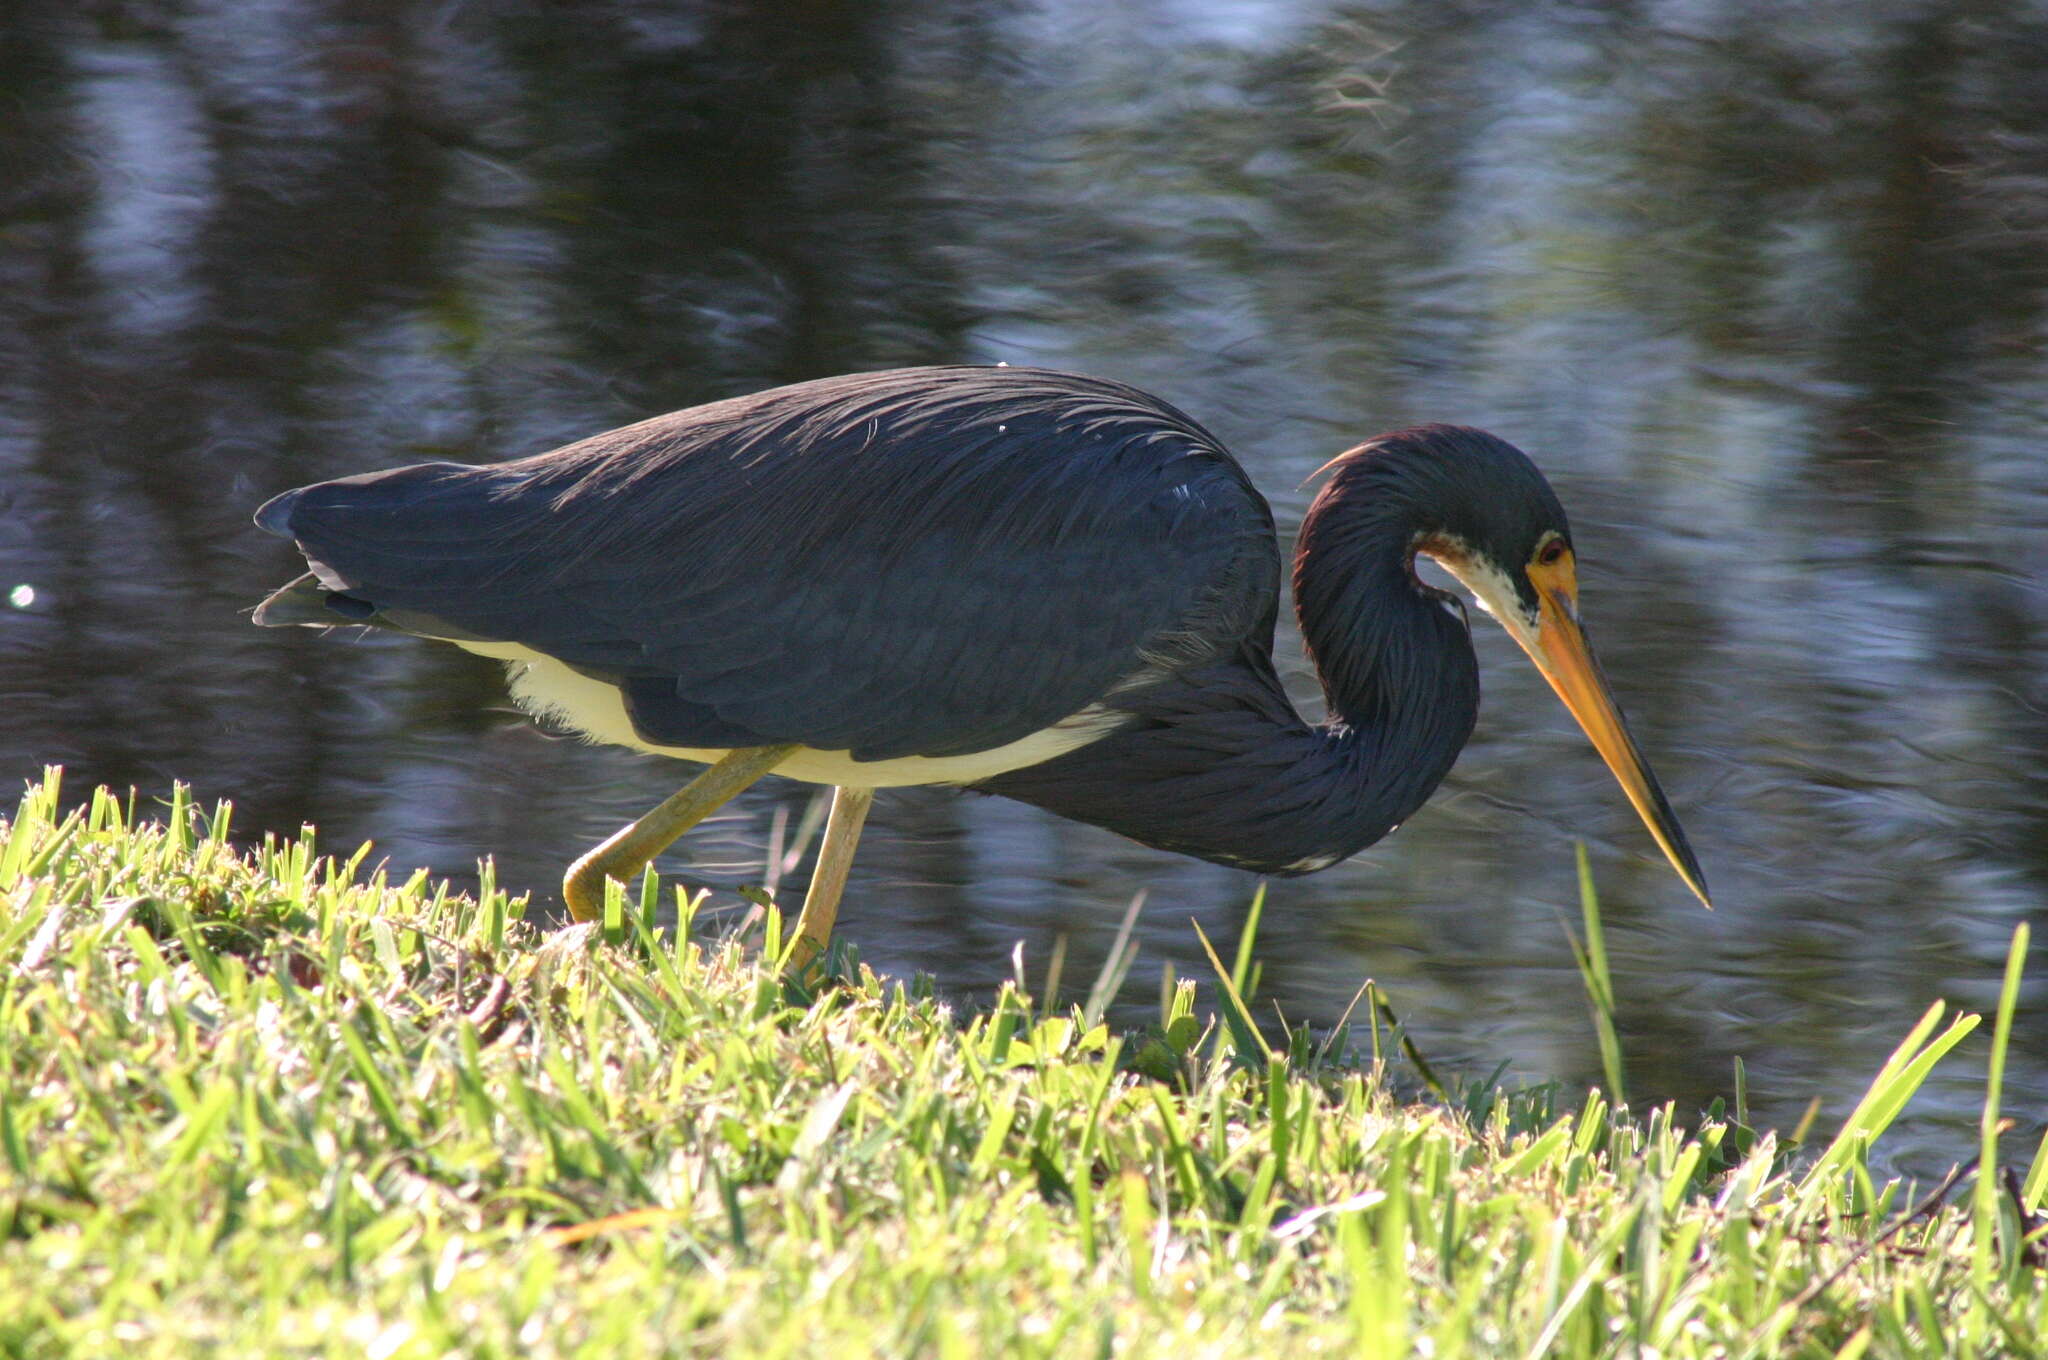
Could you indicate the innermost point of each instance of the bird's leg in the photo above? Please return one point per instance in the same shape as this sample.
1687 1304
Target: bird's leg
628 852
828 880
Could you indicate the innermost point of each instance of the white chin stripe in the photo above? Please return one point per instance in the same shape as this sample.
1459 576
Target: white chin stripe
1490 586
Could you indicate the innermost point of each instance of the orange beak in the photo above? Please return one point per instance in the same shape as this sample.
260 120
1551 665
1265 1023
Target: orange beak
1560 650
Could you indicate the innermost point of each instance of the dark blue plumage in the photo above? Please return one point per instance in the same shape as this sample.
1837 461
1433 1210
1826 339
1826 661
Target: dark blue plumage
1217 764
940 563
920 562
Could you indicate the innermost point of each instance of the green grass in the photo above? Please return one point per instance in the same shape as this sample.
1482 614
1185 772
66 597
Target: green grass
265 1105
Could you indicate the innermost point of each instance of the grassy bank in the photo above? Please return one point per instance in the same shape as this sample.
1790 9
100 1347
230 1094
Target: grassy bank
265 1105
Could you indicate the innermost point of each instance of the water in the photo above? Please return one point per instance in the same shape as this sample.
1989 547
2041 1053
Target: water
1762 287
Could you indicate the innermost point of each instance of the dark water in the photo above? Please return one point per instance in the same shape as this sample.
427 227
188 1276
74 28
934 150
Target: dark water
1764 287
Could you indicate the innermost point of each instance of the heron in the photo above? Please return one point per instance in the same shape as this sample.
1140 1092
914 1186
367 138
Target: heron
1050 587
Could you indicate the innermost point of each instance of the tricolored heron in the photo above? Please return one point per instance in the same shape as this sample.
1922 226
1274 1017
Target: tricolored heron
1034 584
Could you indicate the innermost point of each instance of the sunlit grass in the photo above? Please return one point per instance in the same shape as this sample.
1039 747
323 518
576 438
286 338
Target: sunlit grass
264 1104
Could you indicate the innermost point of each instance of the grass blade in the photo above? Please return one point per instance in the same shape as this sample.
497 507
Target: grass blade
1599 981
1984 1202
1896 1082
1115 968
1244 1035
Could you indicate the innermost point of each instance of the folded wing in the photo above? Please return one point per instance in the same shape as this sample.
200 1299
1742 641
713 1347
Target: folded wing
921 562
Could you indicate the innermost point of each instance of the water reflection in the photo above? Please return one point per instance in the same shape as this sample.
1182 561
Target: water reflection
1762 288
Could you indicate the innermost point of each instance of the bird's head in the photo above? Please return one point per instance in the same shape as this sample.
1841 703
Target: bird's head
1477 506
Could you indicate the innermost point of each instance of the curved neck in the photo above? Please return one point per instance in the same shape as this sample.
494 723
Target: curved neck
1215 762
1394 655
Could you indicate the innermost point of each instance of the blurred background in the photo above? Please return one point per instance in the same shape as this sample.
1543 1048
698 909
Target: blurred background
1760 285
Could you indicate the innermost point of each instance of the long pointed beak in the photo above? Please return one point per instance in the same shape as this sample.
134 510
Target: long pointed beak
1561 652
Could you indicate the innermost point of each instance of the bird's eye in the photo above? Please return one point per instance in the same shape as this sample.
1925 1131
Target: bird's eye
1550 552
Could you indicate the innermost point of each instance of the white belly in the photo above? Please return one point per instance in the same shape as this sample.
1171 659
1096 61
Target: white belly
550 690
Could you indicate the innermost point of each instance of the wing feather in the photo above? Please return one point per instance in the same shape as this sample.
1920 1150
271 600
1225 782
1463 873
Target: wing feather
920 562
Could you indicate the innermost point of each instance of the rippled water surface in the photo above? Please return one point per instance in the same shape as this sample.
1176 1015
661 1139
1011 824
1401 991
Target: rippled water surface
1761 286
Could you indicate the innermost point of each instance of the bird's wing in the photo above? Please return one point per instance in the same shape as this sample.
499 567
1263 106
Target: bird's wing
923 562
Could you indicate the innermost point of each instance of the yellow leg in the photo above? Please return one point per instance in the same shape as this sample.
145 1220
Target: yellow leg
627 853
828 880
